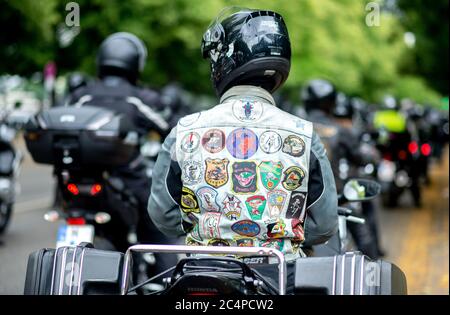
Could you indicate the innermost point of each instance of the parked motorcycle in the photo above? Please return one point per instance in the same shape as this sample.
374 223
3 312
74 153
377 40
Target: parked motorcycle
10 161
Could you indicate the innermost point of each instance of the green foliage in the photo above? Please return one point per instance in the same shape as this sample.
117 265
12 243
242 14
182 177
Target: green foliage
330 39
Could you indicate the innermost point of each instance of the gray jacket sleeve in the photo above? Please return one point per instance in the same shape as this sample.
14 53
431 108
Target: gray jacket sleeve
321 217
163 204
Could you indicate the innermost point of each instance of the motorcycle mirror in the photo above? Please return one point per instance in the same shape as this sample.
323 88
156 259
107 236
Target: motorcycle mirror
361 189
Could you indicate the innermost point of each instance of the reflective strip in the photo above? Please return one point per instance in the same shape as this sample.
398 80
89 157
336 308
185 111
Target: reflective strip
148 112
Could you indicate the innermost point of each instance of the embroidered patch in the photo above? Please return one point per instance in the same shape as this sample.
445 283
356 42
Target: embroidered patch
210 225
246 228
276 229
195 233
247 110
273 243
242 143
190 142
189 202
294 145
244 177
270 173
293 177
295 207
218 242
192 242
192 172
207 197
244 241
216 173
276 200
213 140
270 142
231 207
256 206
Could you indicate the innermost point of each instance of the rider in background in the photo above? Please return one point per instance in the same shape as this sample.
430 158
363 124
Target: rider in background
120 60
342 144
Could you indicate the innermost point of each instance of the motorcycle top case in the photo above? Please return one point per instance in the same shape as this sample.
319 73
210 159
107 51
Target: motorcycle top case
81 136
73 270
348 274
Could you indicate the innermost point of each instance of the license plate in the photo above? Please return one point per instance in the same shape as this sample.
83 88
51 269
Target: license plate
72 235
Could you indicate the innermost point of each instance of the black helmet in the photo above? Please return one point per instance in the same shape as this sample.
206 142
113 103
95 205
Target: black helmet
122 54
247 46
319 94
344 107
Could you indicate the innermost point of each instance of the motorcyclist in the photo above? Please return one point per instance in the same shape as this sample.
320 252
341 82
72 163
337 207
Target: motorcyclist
396 135
245 173
120 59
342 143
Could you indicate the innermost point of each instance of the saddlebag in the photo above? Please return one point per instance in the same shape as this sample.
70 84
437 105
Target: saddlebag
73 270
349 274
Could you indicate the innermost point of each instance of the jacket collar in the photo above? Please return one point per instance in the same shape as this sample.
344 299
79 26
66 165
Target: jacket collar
240 91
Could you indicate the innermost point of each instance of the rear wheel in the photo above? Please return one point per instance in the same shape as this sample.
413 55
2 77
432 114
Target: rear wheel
5 215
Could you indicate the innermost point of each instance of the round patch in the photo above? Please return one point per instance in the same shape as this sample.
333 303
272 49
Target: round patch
190 142
242 143
247 110
246 228
293 177
294 145
270 142
213 140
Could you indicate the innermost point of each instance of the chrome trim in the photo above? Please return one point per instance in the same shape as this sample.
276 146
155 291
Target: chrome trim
352 278
334 275
342 274
184 249
54 270
71 271
80 271
63 270
362 276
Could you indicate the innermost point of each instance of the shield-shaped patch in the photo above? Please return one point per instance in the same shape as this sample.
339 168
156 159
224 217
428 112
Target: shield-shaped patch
216 173
270 173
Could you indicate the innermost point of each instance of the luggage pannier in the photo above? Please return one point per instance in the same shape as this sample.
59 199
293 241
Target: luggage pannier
348 274
73 270
75 136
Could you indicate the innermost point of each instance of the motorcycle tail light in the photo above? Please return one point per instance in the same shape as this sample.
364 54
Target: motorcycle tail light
95 189
73 189
425 149
413 147
76 221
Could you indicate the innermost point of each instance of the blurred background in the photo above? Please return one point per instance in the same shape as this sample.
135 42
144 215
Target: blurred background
368 49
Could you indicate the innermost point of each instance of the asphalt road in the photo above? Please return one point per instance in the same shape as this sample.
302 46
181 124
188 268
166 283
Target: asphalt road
27 230
417 240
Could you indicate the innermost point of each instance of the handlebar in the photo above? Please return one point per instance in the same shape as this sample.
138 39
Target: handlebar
347 213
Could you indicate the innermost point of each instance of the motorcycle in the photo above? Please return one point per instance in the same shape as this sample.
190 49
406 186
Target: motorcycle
216 274
10 162
83 145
